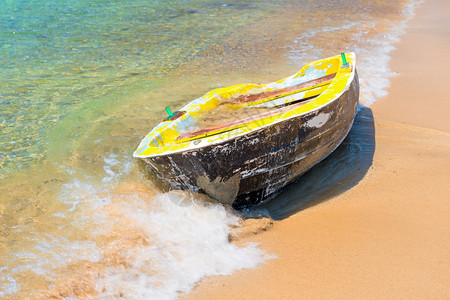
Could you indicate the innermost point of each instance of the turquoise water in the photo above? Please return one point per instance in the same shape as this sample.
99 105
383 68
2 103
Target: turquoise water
83 81
59 58
67 65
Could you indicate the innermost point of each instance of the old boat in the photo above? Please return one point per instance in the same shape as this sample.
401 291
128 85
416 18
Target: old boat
263 136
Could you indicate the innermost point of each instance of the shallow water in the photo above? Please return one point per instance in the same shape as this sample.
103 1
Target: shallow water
83 82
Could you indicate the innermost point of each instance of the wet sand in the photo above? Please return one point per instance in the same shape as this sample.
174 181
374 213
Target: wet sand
387 236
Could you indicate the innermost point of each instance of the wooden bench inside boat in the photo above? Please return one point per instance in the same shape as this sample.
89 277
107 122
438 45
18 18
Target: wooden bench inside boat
252 100
287 91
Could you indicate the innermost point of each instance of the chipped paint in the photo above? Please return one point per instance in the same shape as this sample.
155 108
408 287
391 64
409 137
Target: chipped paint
259 156
318 121
223 190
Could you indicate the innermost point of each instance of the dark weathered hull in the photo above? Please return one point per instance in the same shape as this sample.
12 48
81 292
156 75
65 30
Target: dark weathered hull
251 168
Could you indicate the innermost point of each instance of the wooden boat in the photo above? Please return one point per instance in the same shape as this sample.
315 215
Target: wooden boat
266 135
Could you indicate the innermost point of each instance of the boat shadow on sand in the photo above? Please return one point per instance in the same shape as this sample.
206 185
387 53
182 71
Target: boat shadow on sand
340 171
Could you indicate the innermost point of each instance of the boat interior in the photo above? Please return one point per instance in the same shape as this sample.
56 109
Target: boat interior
228 111
252 106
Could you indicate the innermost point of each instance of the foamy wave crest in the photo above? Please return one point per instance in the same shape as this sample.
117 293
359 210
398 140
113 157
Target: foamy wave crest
303 49
8 284
126 240
372 39
186 240
115 168
374 57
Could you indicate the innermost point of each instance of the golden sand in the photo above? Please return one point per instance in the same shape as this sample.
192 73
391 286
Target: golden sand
388 236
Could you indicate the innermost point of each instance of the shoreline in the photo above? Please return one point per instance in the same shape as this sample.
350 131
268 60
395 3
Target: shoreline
387 236
72 197
422 52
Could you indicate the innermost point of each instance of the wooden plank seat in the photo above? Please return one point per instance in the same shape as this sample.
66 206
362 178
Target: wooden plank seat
260 97
200 133
270 95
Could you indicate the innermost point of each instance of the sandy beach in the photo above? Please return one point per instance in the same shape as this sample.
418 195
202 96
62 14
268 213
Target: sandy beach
387 236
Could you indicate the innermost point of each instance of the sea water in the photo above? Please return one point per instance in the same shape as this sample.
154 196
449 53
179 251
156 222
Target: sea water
81 82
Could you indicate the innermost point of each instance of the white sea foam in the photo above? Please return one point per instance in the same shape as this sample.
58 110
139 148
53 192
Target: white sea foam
374 57
189 241
184 240
302 48
373 53
8 284
52 252
114 167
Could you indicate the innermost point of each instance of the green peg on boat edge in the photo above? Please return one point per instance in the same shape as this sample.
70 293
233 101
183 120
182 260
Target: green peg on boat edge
344 60
169 112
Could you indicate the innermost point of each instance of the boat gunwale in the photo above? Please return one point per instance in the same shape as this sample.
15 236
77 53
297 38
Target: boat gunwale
193 147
